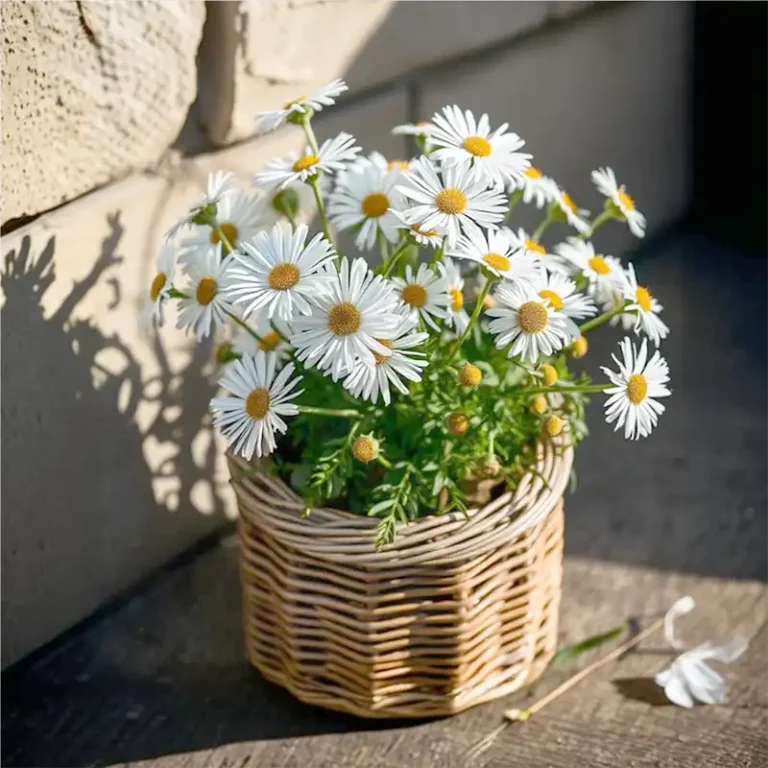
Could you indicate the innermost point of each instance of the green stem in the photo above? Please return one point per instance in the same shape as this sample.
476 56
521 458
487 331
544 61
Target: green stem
313 182
384 462
244 325
598 221
565 390
514 198
472 320
542 228
395 257
306 124
437 254
600 319
346 413
222 237
286 211
175 294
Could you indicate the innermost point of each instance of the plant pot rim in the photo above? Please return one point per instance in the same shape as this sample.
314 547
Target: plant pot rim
333 534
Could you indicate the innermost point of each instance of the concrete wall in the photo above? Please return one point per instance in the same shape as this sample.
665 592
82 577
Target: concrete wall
109 464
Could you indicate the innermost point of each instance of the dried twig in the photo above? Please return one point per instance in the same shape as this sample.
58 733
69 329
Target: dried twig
517 715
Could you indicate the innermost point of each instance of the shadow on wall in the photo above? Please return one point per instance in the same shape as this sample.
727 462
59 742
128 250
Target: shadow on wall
77 497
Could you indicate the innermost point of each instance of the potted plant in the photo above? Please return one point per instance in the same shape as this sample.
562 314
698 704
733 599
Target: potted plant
401 426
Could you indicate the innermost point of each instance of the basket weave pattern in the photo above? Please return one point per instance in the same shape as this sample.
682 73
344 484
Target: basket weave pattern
456 612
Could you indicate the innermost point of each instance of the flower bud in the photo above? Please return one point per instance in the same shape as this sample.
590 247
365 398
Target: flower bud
470 375
539 405
579 347
365 448
550 374
458 424
553 425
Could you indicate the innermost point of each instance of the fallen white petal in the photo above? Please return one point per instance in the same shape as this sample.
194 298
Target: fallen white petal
679 608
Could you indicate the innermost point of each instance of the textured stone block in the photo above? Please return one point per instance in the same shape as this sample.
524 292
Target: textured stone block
90 92
263 54
611 87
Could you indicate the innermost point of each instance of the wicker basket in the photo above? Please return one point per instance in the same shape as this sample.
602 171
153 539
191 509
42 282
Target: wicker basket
456 612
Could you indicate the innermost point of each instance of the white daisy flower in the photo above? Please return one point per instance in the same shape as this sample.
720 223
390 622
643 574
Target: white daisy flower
446 204
494 251
381 162
325 97
526 321
280 272
238 217
525 243
465 143
562 295
332 156
364 196
207 304
422 129
348 321
604 273
605 181
424 294
367 382
297 198
272 338
456 316
535 187
250 416
574 215
632 402
645 309
152 314
689 679
429 238
219 186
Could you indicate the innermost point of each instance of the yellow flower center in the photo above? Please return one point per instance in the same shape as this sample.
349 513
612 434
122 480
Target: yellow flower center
306 162
379 357
497 261
426 232
343 319
230 232
550 374
402 165
532 245
477 146
269 341
643 298
554 299
206 290
457 299
451 200
599 265
458 424
532 317
157 285
283 276
257 403
533 173
553 426
489 302
470 375
637 388
365 448
579 347
293 103
539 405
626 200
375 205
414 294
568 202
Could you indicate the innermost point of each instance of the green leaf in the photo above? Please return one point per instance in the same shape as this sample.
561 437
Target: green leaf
571 652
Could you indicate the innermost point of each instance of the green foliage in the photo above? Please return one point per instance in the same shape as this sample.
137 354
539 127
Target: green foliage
425 469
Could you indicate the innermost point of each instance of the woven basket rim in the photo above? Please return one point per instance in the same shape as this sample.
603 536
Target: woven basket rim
334 534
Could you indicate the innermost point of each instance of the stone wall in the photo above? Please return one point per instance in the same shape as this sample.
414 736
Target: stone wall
109 463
